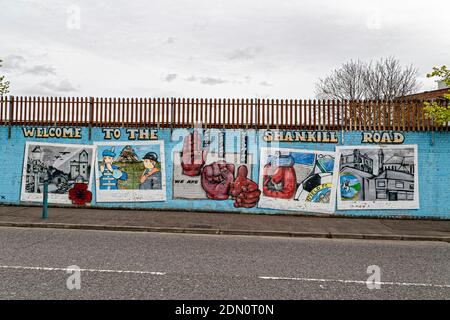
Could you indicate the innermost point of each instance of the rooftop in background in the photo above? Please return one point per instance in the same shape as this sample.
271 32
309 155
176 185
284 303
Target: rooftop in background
433 94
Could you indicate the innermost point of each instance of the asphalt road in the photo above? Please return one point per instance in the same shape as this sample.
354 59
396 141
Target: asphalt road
133 265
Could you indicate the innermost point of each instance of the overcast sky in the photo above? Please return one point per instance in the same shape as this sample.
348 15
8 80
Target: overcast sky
206 48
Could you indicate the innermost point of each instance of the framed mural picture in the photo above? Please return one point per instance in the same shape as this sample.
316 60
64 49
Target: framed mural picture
129 171
300 180
62 164
378 177
202 174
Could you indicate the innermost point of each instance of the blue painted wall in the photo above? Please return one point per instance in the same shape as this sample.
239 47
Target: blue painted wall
433 167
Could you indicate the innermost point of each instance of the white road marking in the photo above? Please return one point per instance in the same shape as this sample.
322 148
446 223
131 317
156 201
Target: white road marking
82 270
408 284
360 282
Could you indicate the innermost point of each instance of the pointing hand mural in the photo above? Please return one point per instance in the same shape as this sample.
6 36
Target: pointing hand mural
203 174
193 155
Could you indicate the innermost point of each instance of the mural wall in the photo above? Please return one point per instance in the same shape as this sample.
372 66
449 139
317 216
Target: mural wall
255 171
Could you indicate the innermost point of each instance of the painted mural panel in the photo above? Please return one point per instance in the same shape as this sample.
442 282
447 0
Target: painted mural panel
64 165
378 177
294 179
130 171
199 174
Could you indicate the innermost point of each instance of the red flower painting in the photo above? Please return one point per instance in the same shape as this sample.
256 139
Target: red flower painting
79 194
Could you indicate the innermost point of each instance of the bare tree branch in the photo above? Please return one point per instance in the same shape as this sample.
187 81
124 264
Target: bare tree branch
355 80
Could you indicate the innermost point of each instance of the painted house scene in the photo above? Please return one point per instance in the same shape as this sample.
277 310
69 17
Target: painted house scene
377 174
62 165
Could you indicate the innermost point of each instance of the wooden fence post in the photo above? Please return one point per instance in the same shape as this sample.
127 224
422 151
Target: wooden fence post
91 117
11 115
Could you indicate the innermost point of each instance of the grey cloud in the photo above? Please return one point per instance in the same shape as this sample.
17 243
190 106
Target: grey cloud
169 40
170 77
244 54
13 62
41 70
63 86
206 80
266 84
191 79
212 81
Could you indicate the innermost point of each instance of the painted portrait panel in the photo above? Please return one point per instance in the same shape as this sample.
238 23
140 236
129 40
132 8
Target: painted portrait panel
378 177
62 165
130 171
294 179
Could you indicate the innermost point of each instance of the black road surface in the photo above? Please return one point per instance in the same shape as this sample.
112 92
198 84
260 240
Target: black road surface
133 265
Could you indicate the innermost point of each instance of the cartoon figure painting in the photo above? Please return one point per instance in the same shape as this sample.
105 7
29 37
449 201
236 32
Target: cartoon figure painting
110 173
136 173
151 177
295 179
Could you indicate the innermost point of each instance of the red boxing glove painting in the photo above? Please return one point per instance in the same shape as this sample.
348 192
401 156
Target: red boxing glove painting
279 178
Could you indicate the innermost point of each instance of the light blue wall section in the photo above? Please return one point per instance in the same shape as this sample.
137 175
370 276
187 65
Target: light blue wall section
433 158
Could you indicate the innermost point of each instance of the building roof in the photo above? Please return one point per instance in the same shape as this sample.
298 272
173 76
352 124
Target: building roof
403 160
361 173
433 94
395 175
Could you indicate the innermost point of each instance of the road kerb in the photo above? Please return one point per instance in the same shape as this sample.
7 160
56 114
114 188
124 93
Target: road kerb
213 231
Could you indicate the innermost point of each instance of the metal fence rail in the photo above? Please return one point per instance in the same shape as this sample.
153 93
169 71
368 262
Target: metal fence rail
405 115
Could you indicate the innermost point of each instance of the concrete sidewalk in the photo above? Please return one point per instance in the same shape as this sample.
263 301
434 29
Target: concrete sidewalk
227 223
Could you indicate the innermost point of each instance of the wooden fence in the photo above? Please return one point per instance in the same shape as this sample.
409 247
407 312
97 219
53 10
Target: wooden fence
405 115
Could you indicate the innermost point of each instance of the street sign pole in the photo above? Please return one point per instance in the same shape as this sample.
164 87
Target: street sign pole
45 200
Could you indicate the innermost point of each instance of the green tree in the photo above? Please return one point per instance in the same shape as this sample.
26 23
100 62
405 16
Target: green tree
4 85
437 111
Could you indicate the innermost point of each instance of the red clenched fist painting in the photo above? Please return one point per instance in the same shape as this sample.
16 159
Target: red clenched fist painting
217 178
279 178
193 156
79 194
244 191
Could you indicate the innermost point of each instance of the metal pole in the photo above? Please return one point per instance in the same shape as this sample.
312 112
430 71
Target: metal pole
45 200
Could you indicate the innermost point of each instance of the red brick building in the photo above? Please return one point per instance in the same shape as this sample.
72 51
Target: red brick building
429 95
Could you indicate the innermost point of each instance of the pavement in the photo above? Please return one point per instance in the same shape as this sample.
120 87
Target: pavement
35 263
227 223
